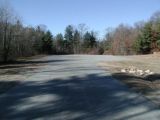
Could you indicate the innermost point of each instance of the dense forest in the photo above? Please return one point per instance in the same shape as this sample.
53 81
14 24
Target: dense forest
18 40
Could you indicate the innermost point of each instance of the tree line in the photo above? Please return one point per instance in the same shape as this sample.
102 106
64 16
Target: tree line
141 38
76 41
17 40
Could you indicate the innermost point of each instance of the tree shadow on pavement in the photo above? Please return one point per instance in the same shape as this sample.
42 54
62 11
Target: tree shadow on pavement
7 85
93 97
23 63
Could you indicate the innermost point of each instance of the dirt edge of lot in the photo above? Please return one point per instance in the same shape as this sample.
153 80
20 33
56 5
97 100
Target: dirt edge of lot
148 85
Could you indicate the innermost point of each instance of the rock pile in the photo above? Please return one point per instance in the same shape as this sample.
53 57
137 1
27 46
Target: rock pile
136 71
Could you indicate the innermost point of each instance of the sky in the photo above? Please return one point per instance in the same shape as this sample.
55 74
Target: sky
96 14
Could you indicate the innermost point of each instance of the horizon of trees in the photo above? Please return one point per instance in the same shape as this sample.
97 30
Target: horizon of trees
17 40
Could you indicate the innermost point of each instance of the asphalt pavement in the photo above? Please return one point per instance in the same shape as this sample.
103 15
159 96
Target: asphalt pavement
73 87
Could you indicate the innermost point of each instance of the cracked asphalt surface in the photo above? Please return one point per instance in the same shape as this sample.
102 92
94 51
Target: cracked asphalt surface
73 87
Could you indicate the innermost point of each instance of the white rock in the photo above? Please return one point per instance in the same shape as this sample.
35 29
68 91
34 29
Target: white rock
132 71
147 71
151 73
139 71
123 70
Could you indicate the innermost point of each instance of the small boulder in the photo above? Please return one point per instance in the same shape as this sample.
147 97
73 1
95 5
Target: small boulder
132 71
147 71
151 73
140 72
123 70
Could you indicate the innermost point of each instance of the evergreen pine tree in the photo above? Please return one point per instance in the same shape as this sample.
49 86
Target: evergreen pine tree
47 42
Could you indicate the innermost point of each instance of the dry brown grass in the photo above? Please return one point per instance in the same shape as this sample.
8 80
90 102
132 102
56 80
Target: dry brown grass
143 62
